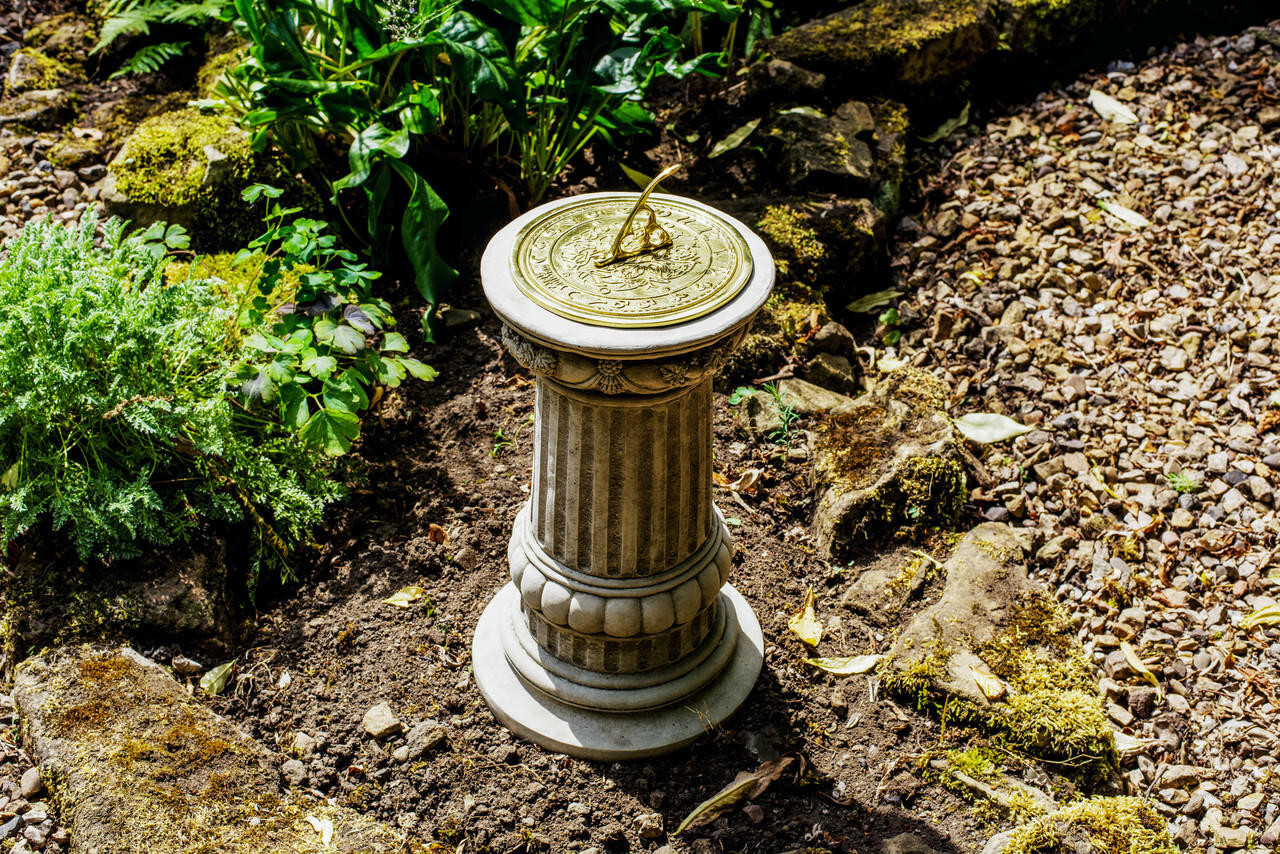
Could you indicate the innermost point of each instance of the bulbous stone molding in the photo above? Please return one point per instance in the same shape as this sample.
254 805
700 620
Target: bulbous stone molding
618 376
589 605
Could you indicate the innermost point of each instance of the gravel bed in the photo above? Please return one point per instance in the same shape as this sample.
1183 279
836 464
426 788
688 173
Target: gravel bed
1144 351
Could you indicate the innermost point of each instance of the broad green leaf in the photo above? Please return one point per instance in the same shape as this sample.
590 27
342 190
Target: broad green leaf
986 428
733 140
478 56
740 394
872 301
745 786
1111 109
846 666
804 623
214 682
260 389
331 431
296 407
419 229
420 371
1120 212
405 596
348 340
320 367
949 126
393 342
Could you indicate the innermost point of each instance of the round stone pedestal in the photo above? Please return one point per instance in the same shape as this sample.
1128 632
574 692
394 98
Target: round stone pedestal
619 635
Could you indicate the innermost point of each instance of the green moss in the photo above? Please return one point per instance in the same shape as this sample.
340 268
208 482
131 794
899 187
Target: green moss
164 162
39 71
1053 709
797 250
69 36
214 67
775 332
884 32
1122 825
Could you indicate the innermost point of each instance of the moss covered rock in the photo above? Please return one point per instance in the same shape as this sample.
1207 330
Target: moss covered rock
910 41
68 37
1118 825
133 763
30 71
39 110
791 312
190 167
998 652
888 465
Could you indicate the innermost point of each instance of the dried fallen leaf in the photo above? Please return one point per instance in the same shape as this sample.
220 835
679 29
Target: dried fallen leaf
846 666
215 681
1135 661
185 666
986 428
991 685
1120 212
1128 745
322 826
405 596
1267 615
734 139
745 786
1111 109
804 623
436 534
747 481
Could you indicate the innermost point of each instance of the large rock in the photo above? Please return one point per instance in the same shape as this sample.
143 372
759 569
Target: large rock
39 110
184 594
998 651
815 149
134 764
887 463
911 42
68 37
30 70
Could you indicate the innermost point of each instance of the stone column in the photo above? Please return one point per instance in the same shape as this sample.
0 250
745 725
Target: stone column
618 635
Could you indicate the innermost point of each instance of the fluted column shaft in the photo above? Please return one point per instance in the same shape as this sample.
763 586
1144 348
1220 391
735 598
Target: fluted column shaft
622 483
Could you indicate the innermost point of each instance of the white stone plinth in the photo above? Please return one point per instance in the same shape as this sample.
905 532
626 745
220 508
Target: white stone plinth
619 635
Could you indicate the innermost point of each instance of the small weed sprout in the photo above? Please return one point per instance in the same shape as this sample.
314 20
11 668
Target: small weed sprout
786 412
1184 483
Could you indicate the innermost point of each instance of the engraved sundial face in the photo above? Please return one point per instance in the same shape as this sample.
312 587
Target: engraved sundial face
555 263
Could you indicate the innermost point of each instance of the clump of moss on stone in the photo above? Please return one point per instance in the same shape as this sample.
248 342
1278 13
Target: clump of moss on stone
165 162
775 332
1123 825
886 32
211 72
39 71
69 36
797 250
1053 709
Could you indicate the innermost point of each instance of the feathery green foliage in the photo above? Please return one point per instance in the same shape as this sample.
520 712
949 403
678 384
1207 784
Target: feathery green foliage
116 424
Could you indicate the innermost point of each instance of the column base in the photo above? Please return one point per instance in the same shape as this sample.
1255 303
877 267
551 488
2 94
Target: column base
595 733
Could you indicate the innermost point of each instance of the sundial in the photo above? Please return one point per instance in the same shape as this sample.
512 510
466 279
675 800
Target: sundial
623 261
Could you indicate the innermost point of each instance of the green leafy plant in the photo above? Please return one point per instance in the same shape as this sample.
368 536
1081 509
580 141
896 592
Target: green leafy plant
740 394
887 330
116 425
324 356
123 19
398 88
786 412
1184 483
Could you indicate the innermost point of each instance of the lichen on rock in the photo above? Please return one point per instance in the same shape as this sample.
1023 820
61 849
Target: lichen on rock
68 37
887 465
135 764
998 652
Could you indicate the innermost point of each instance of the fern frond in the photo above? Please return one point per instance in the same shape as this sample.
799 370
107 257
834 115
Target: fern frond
132 18
150 58
195 13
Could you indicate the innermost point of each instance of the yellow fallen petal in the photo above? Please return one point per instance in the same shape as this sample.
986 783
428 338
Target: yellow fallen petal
846 666
805 622
991 685
403 597
1267 615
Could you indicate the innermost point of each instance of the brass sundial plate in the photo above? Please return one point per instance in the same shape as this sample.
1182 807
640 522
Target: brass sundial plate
554 264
